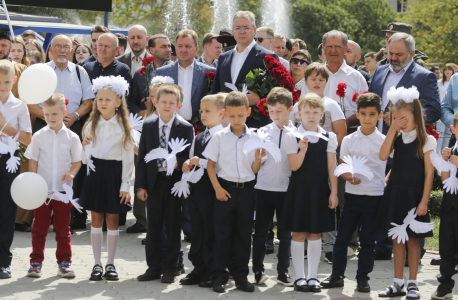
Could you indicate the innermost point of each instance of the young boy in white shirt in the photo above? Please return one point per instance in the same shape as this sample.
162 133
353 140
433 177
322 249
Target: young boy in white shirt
55 154
232 175
362 196
14 123
271 186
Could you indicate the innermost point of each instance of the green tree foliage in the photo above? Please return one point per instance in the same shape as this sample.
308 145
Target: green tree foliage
435 24
361 20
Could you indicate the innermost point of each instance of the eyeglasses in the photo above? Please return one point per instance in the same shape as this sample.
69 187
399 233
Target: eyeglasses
260 39
240 29
296 61
59 47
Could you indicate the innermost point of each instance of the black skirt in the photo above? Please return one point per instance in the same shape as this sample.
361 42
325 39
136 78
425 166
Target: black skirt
101 188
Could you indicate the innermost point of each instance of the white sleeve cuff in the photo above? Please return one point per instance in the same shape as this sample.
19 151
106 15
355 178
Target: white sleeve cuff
125 187
203 162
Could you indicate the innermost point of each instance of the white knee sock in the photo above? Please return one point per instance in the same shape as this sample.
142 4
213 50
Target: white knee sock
297 253
112 241
313 258
96 241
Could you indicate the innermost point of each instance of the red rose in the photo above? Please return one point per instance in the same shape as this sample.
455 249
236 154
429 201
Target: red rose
147 60
210 75
66 101
286 81
143 71
355 95
275 72
271 62
436 135
296 96
262 106
365 92
341 90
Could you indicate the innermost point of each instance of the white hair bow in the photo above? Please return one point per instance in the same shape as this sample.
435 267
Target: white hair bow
162 79
117 84
401 93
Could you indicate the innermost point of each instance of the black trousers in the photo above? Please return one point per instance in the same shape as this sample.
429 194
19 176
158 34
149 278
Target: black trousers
448 247
7 212
163 208
266 205
233 223
201 212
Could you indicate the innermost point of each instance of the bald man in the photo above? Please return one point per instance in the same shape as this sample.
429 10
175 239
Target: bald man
352 56
137 38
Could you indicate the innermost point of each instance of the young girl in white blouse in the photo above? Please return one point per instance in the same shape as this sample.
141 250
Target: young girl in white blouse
409 183
311 197
107 138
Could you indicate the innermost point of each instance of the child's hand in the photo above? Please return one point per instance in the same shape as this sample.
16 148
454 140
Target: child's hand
454 160
195 161
222 194
351 179
304 144
446 153
68 177
125 197
142 194
422 208
87 140
260 154
186 167
399 122
333 201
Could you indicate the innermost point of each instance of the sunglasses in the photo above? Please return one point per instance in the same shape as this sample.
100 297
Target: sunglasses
260 39
296 61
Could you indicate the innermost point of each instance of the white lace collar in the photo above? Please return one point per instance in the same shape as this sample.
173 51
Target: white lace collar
409 137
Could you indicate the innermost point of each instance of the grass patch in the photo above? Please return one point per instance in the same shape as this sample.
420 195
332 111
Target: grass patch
432 243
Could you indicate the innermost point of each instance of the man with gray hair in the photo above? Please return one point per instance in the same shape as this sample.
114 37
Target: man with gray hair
279 45
265 37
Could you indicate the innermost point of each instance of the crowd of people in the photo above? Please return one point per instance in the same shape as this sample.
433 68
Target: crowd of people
83 138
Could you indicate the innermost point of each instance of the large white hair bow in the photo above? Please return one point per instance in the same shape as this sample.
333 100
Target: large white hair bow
117 84
162 79
401 93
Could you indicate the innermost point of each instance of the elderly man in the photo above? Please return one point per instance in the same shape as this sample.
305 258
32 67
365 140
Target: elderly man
96 32
279 45
352 56
137 38
212 50
106 63
265 38
234 65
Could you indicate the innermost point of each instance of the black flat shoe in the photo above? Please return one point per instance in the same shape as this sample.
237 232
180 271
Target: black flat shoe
218 288
333 281
206 283
314 288
149 275
110 273
191 279
136 228
168 278
301 288
144 242
362 285
245 286
179 270
97 272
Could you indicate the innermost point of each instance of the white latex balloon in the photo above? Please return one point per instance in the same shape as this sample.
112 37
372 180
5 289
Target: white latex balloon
29 190
37 83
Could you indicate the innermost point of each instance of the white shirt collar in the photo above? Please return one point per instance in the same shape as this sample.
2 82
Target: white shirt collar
215 129
403 70
70 66
247 49
187 68
9 99
113 120
274 126
169 124
320 129
132 55
344 67
409 137
63 128
360 134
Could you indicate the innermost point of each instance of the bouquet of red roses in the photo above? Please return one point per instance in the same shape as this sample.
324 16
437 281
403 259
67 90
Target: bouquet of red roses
146 70
262 81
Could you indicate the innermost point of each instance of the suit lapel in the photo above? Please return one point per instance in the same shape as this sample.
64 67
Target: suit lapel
407 76
226 65
195 78
251 58
156 134
175 128
384 77
174 72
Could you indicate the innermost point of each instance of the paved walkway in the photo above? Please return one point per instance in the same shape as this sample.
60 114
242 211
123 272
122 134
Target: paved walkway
130 262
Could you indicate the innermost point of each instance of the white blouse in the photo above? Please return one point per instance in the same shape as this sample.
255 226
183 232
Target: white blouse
409 137
292 145
112 130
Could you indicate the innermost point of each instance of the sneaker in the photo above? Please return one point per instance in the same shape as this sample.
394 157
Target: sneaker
285 279
350 252
35 270
5 272
260 277
328 257
65 270
441 295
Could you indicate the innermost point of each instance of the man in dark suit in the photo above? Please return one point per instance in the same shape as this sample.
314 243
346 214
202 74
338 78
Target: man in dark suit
233 66
137 38
403 71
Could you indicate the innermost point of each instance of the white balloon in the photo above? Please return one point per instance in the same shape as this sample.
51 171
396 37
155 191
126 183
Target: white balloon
37 84
29 190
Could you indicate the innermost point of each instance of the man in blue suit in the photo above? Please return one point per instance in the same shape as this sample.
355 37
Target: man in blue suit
403 71
188 73
234 65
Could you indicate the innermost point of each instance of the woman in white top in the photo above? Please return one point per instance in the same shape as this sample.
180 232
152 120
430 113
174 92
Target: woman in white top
300 59
443 131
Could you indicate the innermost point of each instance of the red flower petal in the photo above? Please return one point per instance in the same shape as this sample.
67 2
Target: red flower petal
355 95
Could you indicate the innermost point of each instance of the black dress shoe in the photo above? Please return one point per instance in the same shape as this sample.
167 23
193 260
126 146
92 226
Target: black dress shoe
144 242
110 273
149 275
136 228
191 279
314 288
97 272
168 278
179 270
218 288
333 281
77 224
245 286
187 238
270 246
436 262
363 285
303 287
22 227
206 282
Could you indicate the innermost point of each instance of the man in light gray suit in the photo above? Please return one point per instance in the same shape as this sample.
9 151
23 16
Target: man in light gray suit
137 38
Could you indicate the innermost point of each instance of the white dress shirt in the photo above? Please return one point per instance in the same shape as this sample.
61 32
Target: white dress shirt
355 84
275 176
185 76
168 128
392 79
238 59
292 145
284 62
55 154
226 149
367 146
136 62
16 114
112 130
202 161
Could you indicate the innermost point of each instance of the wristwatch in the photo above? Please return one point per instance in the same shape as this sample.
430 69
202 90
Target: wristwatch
77 114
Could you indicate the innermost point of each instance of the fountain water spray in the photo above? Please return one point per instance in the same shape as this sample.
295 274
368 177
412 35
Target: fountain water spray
223 12
275 15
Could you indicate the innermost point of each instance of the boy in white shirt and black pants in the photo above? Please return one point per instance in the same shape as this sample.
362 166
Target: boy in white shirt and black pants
271 186
362 196
233 180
